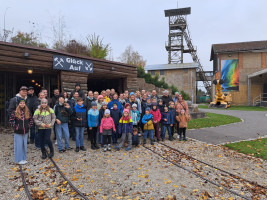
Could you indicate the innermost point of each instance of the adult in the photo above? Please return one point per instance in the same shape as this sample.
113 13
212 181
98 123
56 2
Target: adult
14 102
181 105
122 100
54 99
115 100
175 98
32 107
138 95
106 98
66 96
62 112
96 94
99 102
112 92
44 90
72 102
154 95
126 95
38 101
88 104
132 100
108 93
166 98
143 92
79 90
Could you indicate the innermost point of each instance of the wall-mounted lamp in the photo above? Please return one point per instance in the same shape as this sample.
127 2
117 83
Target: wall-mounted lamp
36 84
39 85
112 68
26 55
229 55
33 81
30 71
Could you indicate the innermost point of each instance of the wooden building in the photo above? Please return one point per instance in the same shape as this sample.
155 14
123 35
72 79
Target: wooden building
50 70
243 66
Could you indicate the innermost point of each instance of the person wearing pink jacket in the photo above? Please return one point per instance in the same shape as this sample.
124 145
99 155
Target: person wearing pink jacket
156 119
106 127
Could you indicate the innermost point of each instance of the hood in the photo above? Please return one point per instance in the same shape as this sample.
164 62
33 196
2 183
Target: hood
18 95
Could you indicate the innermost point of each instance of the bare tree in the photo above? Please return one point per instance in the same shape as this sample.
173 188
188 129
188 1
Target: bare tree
59 33
132 57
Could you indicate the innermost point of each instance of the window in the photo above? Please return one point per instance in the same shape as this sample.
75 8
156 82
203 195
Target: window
152 73
162 72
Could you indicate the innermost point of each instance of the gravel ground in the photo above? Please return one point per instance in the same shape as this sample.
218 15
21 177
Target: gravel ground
137 174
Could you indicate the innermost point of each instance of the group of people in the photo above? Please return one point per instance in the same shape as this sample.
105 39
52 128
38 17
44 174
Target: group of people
109 118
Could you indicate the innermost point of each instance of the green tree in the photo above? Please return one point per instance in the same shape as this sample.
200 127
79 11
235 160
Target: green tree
96 47
29 39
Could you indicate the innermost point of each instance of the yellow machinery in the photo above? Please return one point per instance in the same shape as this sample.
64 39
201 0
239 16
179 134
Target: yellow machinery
222 100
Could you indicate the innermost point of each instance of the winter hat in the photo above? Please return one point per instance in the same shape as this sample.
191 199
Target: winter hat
177 93
61 95
78 84
160 100
148 109
93 103
100 96
126 110
44 101
107 111
21 99
104 103
134 105
154 104
127 104
165 91
30 88
148 98
23 88
115 103
132 93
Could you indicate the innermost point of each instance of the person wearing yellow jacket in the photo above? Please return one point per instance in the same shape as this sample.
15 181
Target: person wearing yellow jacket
147 120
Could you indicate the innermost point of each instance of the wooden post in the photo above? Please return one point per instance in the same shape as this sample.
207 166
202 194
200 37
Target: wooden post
249 91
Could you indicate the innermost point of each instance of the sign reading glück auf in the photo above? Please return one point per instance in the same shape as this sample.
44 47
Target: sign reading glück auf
72 64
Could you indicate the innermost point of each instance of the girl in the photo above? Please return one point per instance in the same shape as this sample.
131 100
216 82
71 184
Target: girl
125 128
182 118
156 117
44 118
93 123
21 121
100 99
147 120
135 115
106 127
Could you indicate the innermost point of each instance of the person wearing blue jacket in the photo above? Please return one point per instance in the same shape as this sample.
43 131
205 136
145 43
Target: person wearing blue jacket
135 115
167 123
93 123
79 120
115 100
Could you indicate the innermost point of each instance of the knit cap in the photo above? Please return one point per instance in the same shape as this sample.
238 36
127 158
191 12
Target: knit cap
154 104
126 110
134 105
100 96
104 103
127 104
61 95
148 109
44 101
21 100
93 103
132 93
107 111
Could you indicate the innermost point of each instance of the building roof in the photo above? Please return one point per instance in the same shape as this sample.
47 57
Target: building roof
238 47
258 73
171 66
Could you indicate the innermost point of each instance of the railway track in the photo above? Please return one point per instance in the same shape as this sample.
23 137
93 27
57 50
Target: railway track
30 195
234 184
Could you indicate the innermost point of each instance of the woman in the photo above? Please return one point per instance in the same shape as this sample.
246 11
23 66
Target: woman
21 121
99 102
44 118
66 96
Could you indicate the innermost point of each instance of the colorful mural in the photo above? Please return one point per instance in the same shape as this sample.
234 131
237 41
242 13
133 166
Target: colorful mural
230 75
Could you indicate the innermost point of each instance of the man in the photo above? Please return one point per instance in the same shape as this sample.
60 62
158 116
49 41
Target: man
43 90
32 107
14 102
88 104
166 98
79 90
72 102
106 98
54 99
175 98
96 94
143 92
112 92
154 95
108 92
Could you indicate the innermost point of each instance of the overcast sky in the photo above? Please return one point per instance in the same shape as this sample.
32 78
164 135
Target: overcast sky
141 23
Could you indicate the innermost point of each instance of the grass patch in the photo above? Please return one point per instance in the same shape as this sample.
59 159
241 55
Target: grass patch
257 148
245 108
212 120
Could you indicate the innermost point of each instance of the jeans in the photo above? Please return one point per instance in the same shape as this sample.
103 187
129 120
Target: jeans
59 128
135 140
123 138
79 136
44 137
166 126
148 132
32 134
72 130
20 147
93 135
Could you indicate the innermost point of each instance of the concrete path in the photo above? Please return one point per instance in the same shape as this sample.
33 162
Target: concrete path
254 125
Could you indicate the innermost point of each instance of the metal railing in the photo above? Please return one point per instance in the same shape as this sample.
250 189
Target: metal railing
257 101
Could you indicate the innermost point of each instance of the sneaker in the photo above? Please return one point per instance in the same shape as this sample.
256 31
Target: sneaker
128 148
56 143
105 148
83 148
117 148
77 149
62 151
69 148
97 147
171 138
152 142
21 162
109 147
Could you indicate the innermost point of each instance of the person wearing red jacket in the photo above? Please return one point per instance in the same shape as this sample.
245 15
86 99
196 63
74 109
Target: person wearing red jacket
156 119
106 127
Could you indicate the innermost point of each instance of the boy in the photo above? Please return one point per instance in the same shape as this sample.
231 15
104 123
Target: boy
167 123
135 115
135 137
79 118
115 113
93 123
172 109
147 120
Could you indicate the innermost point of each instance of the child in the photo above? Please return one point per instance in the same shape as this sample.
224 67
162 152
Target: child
183 118
147 120
135 115
156 117
79 117
161 109
147 104
167 122
99 137
21 121
93 123
44 118
115 113
125 128
172 109
135 137
106 127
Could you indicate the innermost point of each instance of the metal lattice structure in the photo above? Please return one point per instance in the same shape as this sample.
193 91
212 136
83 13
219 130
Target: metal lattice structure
178 32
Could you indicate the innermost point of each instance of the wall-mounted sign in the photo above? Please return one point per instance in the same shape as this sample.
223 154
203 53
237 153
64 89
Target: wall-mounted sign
72 64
